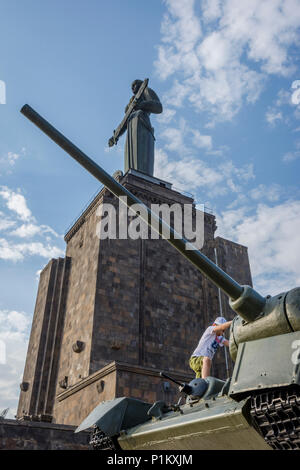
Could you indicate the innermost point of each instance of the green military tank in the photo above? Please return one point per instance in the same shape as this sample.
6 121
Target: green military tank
257 408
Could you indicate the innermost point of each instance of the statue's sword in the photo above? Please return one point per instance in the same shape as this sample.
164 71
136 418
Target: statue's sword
121 126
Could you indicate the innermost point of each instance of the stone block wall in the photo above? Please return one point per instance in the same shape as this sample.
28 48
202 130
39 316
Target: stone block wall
26 435
117 379
74 404
40 375
83 249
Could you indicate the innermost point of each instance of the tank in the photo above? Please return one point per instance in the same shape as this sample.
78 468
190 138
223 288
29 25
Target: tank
257 408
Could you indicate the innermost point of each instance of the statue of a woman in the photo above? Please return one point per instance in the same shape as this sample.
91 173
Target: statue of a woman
139 146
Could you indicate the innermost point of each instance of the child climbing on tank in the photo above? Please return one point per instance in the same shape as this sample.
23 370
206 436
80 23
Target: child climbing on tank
210 341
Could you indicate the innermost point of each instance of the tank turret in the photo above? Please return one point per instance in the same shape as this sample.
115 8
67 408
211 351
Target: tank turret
264 343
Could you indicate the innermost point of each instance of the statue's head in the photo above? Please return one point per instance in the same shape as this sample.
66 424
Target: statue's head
135 86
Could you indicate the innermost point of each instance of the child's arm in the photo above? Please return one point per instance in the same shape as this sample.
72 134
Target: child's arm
220 328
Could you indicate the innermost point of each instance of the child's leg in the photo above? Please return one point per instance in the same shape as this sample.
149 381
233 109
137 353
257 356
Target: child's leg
206 367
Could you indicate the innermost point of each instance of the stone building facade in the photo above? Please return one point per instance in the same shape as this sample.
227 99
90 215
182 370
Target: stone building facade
112 314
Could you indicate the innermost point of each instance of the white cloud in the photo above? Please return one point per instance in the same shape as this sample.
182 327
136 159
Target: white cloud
26 230
223 67
191 174
9 249
180 32
18 251
14 333
272 237
215 51
9 160
186 30
270 193
183 139
174 137
13 322
212 10
273 116
16 202
5 222
283 98
221 94
166 116
187 174
290 156
265 29
29 230
12 158
177 94
202 141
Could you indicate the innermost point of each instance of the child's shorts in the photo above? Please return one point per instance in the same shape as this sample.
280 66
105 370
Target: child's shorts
196 363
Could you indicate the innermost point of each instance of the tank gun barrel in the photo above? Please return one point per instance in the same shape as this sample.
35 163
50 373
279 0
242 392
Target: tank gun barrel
183 387
252 302
162 374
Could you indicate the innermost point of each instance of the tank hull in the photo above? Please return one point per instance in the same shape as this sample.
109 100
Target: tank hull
219 424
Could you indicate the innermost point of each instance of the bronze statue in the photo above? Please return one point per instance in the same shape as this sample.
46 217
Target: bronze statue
139 146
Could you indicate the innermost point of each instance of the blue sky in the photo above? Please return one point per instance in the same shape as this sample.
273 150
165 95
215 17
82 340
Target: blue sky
227 74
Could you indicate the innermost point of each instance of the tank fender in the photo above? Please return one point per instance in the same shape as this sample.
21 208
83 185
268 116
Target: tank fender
115 415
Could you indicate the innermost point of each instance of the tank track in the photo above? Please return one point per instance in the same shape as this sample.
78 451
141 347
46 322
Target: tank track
276 414
99 441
